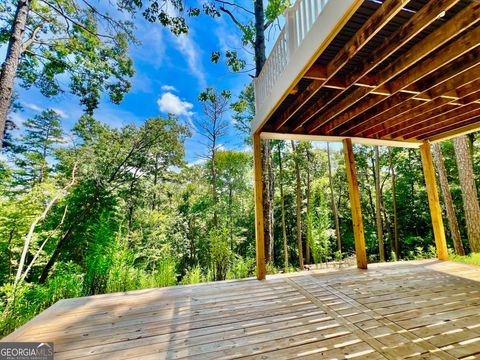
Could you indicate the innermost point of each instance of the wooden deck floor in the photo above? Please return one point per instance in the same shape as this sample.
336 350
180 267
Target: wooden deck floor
418 310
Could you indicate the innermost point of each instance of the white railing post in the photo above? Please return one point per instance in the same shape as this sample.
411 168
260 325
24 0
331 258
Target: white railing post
291 31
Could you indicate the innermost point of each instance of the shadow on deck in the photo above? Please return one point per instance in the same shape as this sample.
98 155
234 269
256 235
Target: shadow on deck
418 309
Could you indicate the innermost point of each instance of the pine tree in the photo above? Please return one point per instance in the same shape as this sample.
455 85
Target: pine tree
469 191
42 133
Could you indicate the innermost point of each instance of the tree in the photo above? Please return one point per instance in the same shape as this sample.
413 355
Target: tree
378 204
298 193
213 127
110 163
394 202
447 199
469 191
282 205
42 133
333 202
48 40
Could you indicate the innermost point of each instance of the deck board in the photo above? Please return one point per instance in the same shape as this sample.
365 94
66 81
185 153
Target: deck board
416 310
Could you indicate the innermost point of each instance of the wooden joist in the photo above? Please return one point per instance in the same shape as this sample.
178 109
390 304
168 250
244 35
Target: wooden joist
440 83
327 121
467 93
426 16
369 29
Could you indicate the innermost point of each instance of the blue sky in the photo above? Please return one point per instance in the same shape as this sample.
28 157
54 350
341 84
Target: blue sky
170 73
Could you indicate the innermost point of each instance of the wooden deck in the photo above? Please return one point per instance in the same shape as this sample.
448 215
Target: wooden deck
419 310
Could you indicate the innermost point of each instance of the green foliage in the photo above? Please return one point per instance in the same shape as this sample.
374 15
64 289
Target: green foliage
100 256
241 268
193 276
42 133
220 253
165 274
22 303
80 41
472 258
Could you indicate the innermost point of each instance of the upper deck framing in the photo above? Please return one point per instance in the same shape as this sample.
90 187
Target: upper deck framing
397 70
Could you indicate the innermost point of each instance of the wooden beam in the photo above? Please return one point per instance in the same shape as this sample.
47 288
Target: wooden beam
462 21
406 110
355 140
421 20
467 93
259 221
430 86
433 201
458 131
369 29
436 123
449 126
358 232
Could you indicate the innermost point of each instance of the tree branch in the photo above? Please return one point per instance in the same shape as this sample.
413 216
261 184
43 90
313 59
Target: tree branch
235 5
42 216
66 17
31 39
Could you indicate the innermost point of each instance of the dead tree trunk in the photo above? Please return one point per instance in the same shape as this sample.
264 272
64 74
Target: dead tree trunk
469 192
447 198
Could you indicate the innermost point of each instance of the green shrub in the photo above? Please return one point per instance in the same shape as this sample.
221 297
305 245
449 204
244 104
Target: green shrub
220 253
27 300
193 276
165 274
241 268
472 258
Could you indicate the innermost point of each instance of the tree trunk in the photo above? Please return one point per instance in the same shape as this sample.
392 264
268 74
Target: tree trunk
447 198
299 207
213 171
334 204
267 180
12 59
378 205
469 192
309 215
282 204
394 201
260 56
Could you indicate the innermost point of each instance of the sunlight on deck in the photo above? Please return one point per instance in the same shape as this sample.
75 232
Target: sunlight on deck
419 309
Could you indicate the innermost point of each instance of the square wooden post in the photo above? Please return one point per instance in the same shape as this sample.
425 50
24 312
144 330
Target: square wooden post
358 231
433 201
259 223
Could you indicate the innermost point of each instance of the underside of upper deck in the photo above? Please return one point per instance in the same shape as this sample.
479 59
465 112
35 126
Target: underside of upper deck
406 71
420 309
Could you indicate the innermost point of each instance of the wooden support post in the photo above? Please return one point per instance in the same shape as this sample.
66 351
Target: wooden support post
433 201
259 224
358 231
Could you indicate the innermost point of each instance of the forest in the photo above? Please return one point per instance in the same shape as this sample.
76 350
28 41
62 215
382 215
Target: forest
97 208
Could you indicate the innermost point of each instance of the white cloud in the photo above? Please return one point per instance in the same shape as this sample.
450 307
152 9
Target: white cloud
172 104
61 113
33 107
168 88
189 49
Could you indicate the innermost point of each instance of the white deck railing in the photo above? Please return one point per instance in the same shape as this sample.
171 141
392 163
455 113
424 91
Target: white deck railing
299 20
